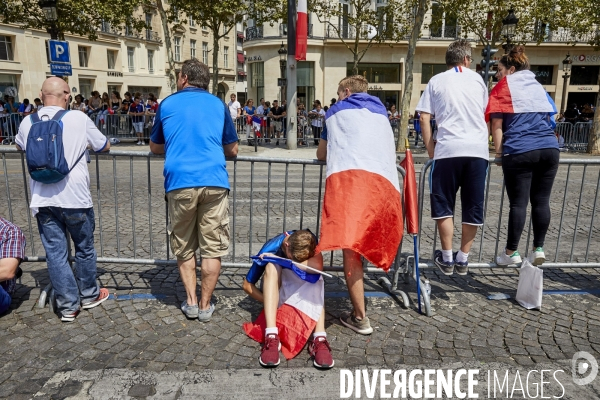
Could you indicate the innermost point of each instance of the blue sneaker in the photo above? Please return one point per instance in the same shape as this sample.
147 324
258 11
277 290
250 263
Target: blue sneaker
462 268
447 267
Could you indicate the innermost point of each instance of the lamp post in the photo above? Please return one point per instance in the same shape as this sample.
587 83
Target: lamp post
282 66
509 26
51 16
567 70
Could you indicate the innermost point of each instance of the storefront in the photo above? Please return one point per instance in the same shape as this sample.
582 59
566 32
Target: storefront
584 81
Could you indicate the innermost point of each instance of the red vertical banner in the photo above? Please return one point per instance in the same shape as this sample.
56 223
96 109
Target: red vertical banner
301 30
411 204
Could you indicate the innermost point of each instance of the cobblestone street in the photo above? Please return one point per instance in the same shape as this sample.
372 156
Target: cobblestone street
138 344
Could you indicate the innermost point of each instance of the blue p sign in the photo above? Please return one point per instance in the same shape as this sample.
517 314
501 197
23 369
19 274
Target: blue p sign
59 51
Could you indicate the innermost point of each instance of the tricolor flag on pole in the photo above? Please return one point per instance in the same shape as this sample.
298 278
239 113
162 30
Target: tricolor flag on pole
362 209
301 30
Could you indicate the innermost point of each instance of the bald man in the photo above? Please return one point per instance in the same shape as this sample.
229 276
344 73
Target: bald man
66 206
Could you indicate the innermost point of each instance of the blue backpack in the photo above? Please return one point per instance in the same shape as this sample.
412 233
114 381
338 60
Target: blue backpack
45 153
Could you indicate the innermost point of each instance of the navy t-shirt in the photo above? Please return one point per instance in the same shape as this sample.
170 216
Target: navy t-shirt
194 125
525 132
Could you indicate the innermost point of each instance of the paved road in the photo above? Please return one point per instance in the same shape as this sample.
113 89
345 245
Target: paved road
138 344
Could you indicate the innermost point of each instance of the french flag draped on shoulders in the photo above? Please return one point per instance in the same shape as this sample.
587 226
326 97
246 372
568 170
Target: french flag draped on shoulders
362 208
301 30
520 93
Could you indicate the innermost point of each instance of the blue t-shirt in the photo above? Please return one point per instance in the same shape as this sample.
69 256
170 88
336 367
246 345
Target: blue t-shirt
324 132
525 132
249 110
137 109
272 246
194 126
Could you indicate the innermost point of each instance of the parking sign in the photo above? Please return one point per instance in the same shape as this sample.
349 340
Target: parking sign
59 51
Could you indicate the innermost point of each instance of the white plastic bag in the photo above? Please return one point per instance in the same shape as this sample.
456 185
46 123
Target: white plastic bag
531 286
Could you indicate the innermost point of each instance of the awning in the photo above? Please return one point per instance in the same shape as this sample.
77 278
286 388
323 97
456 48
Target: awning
240 58
241 73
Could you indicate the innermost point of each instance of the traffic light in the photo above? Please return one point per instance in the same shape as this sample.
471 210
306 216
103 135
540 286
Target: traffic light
487 63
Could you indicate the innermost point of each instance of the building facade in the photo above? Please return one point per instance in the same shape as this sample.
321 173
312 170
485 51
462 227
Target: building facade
328 61
118 60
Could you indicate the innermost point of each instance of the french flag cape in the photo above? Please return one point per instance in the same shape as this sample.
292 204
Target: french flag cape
362 208
520 93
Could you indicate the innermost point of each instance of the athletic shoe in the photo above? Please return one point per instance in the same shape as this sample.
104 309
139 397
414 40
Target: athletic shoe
102 297
269 355
462 268
205 315
537 257
320 351
69 317
447 267
361 326
190 311
505 260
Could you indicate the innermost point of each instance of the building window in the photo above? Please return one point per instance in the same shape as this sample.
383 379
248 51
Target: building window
148 26
111 56
177 48
543 73
306 83
6 51
83 56
86 86
584 75
257 78
192 22
226 57
150 61
430 70
205 53
130 59
192 48
377 73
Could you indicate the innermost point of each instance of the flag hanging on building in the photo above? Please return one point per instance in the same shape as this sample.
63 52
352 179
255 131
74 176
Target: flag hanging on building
362 209
301 30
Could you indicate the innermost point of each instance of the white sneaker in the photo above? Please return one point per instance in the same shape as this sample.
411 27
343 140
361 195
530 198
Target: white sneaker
139 143
537 256
505 260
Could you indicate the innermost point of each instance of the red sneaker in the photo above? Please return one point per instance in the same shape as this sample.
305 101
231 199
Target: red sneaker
321 352
269 356
102 297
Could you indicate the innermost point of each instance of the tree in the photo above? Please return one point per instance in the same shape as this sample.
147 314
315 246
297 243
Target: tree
166 16
82 18
359 25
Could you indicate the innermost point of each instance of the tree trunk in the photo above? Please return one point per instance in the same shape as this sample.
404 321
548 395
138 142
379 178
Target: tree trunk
355 54
594 138
215 59
408 81
168 45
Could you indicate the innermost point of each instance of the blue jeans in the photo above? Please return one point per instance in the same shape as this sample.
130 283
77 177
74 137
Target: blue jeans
5 300
70 288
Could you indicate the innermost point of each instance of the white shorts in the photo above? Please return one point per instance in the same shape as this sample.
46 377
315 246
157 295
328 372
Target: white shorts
138 127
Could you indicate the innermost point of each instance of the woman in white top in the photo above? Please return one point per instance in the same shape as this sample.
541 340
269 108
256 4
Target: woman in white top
78 104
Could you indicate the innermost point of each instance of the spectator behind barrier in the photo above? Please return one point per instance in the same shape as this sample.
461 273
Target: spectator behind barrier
67 206
12 252
196 129
527 146
457 98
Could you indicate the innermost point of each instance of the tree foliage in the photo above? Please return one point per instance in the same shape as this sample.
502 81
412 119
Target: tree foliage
76 17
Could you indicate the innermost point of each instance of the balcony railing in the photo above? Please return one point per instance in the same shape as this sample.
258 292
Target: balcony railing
444 32
254 32
560 36
257 32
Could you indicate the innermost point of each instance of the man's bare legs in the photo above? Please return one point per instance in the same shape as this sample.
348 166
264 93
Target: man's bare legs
271 284
446 229
211 267
353 272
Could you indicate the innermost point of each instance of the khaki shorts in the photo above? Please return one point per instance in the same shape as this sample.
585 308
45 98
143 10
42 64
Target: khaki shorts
199 218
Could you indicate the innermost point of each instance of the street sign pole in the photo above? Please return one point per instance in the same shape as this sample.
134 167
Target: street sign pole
292 109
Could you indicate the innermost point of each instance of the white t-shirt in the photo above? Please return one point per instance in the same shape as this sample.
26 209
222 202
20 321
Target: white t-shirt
457 98
74 191
234 106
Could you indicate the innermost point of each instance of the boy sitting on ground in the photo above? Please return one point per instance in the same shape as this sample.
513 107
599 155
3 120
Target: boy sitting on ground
293 300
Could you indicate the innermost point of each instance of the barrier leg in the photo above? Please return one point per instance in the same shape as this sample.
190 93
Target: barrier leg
44 296
385 283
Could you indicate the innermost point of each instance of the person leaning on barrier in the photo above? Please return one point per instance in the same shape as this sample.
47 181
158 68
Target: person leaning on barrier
526 144
66 206
197 132
457 98
12 252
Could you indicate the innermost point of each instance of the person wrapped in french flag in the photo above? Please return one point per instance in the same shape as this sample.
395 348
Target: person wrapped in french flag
293 298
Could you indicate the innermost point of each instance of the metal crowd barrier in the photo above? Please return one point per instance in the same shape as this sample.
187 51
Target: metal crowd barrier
568 244
268 196
573 137
9 127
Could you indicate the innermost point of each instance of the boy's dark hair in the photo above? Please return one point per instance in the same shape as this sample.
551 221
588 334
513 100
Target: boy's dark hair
302 245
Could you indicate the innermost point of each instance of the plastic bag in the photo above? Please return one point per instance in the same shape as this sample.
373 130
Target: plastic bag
531 286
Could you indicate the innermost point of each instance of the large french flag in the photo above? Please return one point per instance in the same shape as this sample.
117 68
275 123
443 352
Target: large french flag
300 306
362 208
301 30
519 93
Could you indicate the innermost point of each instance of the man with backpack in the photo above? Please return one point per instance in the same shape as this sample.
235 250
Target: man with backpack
55 142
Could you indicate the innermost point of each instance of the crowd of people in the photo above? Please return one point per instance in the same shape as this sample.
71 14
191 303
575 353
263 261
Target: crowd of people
575 114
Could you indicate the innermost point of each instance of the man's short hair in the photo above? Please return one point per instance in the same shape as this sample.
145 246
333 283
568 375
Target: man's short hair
457 51
355 83
302 245
197 73
137 97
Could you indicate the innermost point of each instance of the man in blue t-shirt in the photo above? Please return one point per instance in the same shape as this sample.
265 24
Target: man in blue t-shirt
194 130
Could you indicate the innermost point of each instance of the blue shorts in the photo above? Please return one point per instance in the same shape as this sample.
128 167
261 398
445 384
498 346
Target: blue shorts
447 176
